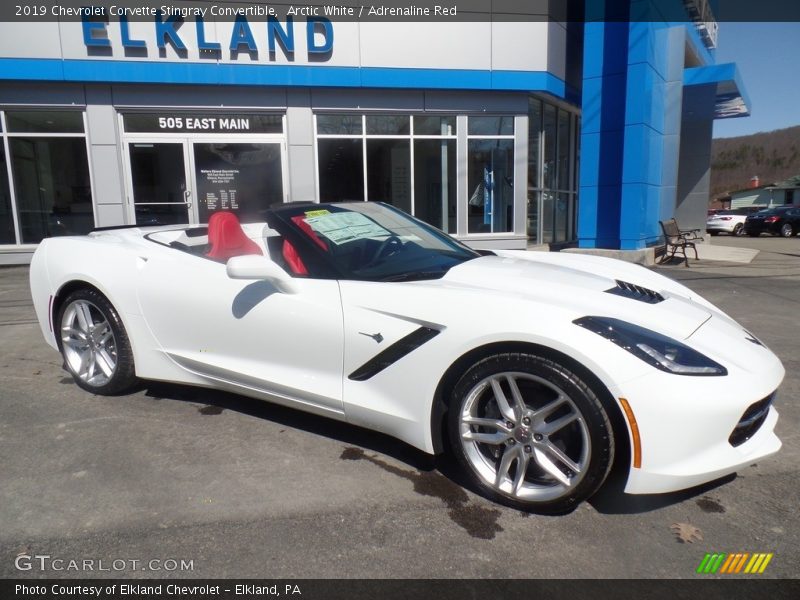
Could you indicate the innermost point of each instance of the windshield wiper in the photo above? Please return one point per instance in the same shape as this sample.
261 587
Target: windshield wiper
416 275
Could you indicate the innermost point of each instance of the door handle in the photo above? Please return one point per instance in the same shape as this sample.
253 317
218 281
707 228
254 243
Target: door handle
187 198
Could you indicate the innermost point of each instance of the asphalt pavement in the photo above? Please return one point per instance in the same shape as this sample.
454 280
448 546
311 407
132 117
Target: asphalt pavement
239 488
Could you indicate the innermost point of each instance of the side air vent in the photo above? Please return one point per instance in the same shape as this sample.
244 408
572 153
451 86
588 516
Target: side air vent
635 292
751 421
393 353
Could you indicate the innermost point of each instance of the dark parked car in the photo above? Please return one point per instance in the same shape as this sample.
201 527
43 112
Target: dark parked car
781 220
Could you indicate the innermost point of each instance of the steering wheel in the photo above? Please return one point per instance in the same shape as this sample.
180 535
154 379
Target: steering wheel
388 247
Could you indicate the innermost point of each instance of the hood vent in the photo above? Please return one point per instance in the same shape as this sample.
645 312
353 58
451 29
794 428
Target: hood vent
635 292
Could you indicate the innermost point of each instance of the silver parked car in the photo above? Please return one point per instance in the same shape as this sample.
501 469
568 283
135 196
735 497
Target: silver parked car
729 221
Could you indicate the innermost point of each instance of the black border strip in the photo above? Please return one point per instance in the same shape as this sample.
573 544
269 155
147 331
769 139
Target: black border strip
572 11
736 587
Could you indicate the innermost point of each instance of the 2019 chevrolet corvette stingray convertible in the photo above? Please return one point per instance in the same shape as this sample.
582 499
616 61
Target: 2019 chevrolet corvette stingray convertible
534 369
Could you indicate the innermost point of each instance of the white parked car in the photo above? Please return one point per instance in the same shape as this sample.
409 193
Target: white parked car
728 221
536 370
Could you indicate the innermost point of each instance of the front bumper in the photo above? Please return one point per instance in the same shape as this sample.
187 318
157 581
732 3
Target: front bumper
762 228
686 423
720 227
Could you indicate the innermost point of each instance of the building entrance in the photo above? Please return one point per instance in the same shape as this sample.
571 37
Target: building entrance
178 178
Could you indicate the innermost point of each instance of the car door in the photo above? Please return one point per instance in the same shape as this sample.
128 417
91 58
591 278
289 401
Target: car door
247 333
794 219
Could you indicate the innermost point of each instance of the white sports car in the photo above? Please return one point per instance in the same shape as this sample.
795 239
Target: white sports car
536 370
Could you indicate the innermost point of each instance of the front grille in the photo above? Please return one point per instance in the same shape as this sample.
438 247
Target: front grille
751 421
635 292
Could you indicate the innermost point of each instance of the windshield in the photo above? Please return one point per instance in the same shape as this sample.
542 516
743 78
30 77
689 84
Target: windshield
371 241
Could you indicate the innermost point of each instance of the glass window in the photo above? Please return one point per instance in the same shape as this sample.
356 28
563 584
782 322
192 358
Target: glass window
533 215
244 178
534 133
35 121
7 235
51 181
158 180
491 126
339 124
491 186
388 124
435 182
389 172
563 150
341 170
549 128
561 218
434 125
577 143
548 204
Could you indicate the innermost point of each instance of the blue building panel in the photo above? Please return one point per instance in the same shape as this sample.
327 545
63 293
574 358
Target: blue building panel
648 113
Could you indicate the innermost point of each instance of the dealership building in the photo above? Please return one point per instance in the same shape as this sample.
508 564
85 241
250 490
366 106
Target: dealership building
503 128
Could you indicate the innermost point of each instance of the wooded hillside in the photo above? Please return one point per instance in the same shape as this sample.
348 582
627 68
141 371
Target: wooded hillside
772 155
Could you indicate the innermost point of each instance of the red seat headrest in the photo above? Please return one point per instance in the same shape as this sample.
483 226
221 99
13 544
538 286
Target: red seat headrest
227 238
293 259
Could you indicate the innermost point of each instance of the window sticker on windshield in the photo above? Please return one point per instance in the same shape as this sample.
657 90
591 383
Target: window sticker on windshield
317 213
342 227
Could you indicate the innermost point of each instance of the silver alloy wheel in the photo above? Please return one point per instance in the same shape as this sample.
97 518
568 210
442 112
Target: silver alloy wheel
524 436
90 349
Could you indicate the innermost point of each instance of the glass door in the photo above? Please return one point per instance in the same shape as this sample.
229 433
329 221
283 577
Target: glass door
159 190
244 177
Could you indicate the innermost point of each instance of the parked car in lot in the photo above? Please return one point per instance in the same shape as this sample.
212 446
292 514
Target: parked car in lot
728 221
781 220
535 370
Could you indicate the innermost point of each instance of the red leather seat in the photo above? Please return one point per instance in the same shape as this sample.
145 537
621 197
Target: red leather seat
289 252
227 238
293 259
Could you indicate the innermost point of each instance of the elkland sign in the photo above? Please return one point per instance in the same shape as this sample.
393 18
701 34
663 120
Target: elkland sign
245 37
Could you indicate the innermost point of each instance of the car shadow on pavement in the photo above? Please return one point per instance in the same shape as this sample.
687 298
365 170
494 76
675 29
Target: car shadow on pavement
215 401
612 500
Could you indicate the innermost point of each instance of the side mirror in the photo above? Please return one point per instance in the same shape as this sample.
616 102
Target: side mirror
261 268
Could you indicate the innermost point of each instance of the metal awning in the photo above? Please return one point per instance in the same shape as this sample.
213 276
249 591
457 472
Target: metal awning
731 95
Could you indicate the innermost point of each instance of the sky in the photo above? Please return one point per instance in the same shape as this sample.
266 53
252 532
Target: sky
768 57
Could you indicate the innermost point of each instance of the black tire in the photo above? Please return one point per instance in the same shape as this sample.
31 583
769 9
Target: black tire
753 233
713 232
737 229
123 375
539 382
787 230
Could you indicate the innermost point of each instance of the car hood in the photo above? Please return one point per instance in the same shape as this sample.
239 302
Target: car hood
584 285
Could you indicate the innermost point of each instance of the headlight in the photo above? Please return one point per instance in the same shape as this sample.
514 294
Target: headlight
653 348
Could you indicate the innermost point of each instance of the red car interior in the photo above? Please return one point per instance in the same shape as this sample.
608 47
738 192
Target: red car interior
227 238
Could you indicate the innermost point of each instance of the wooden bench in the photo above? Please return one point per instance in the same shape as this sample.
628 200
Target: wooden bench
677 239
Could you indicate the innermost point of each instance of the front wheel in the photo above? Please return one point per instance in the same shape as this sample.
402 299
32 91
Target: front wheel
94 343
786 230
737 229
529 433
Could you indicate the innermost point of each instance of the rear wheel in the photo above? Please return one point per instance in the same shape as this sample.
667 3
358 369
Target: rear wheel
787 230
529 433
94 343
